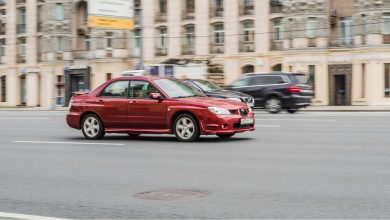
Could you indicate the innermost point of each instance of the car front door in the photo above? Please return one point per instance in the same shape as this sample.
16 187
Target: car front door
111 104
145 113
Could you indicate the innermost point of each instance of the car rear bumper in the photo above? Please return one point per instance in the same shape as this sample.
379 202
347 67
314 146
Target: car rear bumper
73 120
226 125
297 101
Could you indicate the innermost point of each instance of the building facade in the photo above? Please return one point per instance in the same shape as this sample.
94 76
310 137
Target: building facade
342 46
47 51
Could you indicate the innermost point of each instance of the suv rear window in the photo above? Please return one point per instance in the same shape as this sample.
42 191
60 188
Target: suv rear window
266 80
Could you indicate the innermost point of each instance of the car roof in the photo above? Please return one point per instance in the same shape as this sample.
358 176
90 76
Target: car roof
141 78
273 74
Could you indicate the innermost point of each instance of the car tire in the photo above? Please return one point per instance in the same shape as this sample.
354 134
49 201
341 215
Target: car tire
292 110
273 105
133 135
92 127
186 128
226 136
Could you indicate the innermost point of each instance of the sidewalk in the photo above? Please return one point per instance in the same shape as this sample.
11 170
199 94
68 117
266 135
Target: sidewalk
309 109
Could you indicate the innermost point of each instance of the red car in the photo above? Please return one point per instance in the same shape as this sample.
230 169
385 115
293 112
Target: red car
156 105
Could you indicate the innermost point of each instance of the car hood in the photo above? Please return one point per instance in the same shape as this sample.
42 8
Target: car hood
227 94
207 102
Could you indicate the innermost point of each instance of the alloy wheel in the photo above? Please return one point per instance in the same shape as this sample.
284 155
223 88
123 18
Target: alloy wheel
185 128
273 105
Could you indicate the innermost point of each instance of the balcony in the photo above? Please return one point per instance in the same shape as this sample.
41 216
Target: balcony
217 48
246 10
338 41
277 45
188 14
247 46
160 17
216 12
162 51
21 28
188 50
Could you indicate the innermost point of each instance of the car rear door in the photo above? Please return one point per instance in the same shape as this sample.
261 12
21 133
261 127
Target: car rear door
111 104
145 113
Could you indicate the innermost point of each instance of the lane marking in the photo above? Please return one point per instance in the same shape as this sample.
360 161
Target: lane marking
295 119
267 126
74 143
24 118
27 217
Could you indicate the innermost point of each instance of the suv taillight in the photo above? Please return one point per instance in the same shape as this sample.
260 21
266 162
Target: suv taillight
294 89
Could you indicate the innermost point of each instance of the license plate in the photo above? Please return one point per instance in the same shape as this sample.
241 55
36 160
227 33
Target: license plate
247 121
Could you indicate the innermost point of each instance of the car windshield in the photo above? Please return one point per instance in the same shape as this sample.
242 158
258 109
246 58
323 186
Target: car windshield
175 88
207 86
300 78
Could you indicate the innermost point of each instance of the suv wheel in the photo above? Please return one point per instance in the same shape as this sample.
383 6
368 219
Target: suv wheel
273 105
92 127
186 128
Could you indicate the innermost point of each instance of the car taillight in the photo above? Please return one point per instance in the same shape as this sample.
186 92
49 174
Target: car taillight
294 89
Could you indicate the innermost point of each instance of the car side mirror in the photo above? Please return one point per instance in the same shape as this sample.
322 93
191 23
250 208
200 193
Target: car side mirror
155 96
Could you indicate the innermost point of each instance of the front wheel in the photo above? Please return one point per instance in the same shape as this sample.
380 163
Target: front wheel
92 127
226 136
186 128
273 105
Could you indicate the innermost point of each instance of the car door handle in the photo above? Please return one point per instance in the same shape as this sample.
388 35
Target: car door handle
132 101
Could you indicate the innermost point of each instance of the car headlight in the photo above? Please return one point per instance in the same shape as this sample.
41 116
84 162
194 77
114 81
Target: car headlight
235 99
219 111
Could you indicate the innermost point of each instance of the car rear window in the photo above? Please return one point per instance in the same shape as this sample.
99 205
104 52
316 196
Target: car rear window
266 80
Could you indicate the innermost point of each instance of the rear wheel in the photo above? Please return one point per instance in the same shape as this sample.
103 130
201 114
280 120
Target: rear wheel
273 105
226 136
92 127
186 128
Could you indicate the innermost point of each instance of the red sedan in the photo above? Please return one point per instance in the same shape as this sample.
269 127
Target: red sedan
156 105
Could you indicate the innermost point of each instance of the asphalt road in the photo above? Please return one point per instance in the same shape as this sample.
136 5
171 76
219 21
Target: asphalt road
308 165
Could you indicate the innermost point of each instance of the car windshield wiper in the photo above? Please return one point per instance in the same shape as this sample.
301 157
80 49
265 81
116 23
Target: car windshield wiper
187 96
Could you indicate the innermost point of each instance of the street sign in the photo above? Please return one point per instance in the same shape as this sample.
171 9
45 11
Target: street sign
115 14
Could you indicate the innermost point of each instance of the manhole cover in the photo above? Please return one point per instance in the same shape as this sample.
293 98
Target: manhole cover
171 194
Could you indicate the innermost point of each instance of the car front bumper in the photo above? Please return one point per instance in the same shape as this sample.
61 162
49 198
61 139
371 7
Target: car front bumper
226 124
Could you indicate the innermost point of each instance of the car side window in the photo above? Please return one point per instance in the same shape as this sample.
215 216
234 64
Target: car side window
141 89
257 80
241 82
273 80
118 89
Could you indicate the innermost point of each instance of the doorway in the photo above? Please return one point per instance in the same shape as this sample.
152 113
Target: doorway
23 91
340 84
77 79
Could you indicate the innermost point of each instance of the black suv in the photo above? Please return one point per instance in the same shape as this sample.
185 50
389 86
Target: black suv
275 91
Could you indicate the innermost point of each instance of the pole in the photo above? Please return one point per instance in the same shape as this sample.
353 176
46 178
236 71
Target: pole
53 70
139 27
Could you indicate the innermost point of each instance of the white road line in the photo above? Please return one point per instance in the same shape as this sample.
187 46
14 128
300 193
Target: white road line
267 126
27 217
295 119
13 118
74 143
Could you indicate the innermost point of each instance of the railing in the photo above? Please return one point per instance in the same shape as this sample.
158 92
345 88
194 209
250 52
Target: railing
162 51
216 12
276 45
338 41
21 28
247 10
247 46
217 48
160 17
188 14
188 50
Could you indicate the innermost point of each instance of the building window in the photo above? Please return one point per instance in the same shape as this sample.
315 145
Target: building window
219 34
21 50
387 80
247 7
21 25
3 89
217 8
59 44
190 35
59 11
248 31
346 26
190 6
277 30
2 21
364 24
363 78
109 39
162 6
311 27
108 76
87 43
386 23
162 37
137 38
248 69
2 48
311 79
